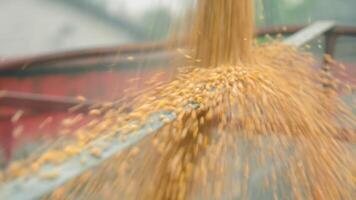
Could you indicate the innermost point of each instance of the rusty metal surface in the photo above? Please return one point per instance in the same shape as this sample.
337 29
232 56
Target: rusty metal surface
93 63
23 63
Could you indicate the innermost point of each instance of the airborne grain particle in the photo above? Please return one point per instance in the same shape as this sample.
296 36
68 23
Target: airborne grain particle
96 152
17 116
81 98
134 152
50 175
94 112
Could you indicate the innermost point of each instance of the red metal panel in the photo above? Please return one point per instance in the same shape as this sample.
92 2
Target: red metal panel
93 85
100 86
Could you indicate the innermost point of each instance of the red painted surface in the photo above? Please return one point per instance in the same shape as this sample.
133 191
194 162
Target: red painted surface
99 86
6 140
93 85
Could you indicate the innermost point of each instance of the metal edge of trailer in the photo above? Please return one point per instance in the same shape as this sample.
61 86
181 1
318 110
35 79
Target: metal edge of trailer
309 33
